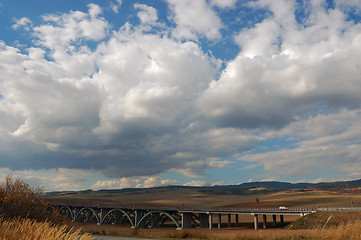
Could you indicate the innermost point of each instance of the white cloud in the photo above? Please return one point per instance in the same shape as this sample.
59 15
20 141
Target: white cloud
224 3
271 85
219 164
117 184
193 169
70 28
197 183
324 142
135 91
115 6
186 14
200 183
147 14
145 182
53 179
23 22
218 183
350 5
156 182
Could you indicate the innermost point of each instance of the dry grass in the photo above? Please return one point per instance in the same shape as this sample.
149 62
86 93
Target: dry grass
21 209
326 220
348 231
351 231
26 229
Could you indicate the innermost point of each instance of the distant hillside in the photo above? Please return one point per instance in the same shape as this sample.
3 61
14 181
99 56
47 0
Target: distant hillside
241 189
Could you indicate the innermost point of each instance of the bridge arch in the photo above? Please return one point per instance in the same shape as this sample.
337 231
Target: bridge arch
117 210
87 209
160 212
67 209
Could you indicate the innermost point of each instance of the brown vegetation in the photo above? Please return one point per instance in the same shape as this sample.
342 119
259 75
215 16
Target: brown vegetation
24 214
31 229
19 199
350 231
326 220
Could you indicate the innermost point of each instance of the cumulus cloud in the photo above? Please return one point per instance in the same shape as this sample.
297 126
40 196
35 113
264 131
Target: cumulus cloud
139 103
117 184
60 179
126 108
324 141
115 6
287 72
197 183
70 28
155 182
147 14
270 85
145 182
186 15
224 3
200 183
23 22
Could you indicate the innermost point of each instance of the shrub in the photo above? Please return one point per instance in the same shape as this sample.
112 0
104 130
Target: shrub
19 200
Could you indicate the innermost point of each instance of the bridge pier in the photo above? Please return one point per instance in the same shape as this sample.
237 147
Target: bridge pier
210 222
255 218
274 220
281 220
100 215
236 220
229 220
186 220
264 220
75 213
219 221
203 219
138 214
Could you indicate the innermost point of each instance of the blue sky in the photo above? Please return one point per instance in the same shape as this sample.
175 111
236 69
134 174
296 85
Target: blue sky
117 94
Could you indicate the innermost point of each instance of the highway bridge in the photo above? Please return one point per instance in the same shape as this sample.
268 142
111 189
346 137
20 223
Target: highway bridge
141 217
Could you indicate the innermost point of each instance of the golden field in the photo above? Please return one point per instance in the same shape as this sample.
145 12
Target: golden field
179 197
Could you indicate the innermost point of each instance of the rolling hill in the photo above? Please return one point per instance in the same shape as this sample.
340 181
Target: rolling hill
269 194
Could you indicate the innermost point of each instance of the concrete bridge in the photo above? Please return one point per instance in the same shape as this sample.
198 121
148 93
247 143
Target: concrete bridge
177 217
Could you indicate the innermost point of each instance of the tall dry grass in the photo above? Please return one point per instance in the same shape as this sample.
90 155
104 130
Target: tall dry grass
25 215
350 231
27 229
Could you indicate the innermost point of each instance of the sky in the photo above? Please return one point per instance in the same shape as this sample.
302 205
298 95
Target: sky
130 94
